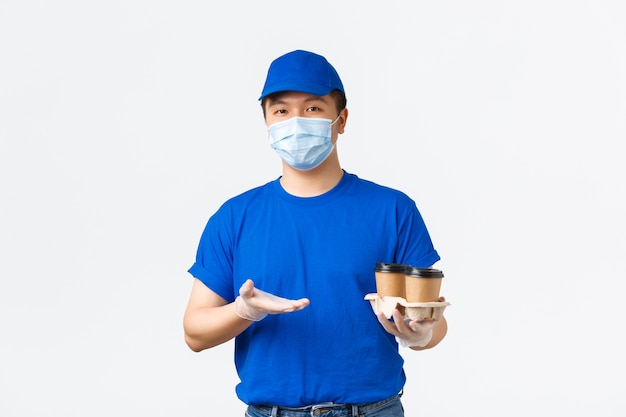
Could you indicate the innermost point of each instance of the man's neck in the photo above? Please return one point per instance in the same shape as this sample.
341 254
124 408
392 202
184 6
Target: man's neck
311 183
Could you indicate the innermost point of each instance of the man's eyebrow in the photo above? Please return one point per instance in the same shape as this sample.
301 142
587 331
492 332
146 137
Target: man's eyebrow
274 101
315 98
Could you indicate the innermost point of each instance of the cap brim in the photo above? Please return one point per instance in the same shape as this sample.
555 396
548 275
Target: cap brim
315 89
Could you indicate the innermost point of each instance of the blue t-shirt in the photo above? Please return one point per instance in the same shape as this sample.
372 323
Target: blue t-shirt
324 248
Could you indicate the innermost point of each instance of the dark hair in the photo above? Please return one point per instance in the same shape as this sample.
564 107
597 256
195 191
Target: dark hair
339 96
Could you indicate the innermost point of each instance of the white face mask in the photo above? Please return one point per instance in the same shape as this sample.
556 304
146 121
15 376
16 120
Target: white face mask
302 142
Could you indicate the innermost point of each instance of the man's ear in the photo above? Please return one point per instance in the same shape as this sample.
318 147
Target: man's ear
343 118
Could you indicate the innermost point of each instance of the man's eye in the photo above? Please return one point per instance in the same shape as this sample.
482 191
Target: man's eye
312 108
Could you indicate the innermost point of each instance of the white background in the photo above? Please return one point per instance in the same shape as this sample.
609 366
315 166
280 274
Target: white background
125 124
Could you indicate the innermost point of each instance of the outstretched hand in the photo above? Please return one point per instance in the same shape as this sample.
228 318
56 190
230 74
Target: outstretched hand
254 304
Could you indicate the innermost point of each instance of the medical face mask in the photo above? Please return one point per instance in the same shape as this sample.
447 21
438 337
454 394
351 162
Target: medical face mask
302 142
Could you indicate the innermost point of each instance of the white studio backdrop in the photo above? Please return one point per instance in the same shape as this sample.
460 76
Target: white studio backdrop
124 125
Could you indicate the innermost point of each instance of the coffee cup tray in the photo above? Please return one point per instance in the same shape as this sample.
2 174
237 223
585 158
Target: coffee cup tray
415 311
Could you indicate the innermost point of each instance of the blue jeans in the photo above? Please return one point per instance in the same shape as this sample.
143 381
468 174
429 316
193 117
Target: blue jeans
391 407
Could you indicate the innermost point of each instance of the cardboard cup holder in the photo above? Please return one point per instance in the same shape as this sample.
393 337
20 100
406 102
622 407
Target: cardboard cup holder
415 311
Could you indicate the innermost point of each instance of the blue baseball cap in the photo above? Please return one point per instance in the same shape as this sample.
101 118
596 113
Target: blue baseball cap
301 71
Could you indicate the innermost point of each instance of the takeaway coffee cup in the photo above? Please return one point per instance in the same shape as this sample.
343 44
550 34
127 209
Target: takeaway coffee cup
422 285
390 279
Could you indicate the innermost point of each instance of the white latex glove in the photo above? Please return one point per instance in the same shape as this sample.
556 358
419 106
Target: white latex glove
254 304
408 333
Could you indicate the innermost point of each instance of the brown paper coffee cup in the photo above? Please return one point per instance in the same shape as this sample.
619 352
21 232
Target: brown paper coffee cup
390 279
422 285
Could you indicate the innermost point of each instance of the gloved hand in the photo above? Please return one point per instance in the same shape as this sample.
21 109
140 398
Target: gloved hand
254 304
408 333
